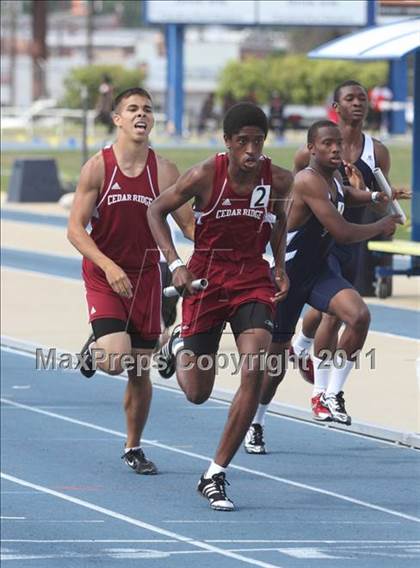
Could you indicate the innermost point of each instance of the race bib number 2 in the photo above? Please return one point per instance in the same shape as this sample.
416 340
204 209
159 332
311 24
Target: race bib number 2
260 196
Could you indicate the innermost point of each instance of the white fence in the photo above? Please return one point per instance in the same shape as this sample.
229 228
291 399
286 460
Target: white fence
43 115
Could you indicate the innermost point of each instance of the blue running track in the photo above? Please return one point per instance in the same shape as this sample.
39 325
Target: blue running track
320 498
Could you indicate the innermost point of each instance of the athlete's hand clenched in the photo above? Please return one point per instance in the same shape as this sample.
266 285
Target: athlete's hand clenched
282 283
118 280
182 280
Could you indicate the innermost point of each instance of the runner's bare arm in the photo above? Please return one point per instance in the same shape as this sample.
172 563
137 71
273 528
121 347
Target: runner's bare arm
301 159
315 194
195 183
382 157
168 174
356 194
282 184
188 186
88 189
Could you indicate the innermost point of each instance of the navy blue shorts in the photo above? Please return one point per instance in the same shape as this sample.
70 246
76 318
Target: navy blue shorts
348 258
318 292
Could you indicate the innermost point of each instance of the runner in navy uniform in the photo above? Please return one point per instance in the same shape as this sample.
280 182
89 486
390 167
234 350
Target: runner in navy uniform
366 153
315 222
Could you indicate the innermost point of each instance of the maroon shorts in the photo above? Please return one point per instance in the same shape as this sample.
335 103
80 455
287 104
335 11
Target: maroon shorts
142 312
230 285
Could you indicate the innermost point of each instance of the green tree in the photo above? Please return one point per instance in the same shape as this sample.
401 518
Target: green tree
91 77
242 77
298 79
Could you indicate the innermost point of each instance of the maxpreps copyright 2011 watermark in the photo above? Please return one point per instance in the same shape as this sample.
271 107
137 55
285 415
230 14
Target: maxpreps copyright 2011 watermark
52 359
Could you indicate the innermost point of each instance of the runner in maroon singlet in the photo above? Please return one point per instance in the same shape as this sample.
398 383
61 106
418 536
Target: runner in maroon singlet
238 197
121 259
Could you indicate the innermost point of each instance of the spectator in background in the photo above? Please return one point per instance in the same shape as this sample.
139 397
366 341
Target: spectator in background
331 111
375 97
228 101
104 104
379 97
276 115
251 97
206 113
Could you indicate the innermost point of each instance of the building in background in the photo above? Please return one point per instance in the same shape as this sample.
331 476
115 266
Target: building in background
76 36
207 50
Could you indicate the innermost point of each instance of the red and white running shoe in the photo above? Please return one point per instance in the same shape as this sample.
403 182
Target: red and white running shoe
320 411
305 365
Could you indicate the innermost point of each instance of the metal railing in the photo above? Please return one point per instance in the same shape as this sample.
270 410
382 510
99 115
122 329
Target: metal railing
59 122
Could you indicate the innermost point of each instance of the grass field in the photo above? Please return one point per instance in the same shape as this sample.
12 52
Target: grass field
69 163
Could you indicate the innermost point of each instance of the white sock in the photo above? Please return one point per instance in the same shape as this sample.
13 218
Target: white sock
213 470
302 343
339 377
259 417
129 449
322 371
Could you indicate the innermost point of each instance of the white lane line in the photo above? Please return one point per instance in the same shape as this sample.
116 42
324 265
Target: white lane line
136 522
19 492
312 553
39 521
176 391
232 466
132 554
139 554
284 522
312 541
7 554
3 518
385 543
92 540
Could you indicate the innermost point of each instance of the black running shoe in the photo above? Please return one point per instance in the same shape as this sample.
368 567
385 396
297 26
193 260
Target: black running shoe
214 490
165 358
138 461
86 368
335 403
254 440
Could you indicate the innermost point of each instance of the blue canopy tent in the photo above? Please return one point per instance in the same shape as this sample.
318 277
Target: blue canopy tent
391 42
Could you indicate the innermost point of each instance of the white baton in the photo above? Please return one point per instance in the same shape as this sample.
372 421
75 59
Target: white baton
384 186
200 284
